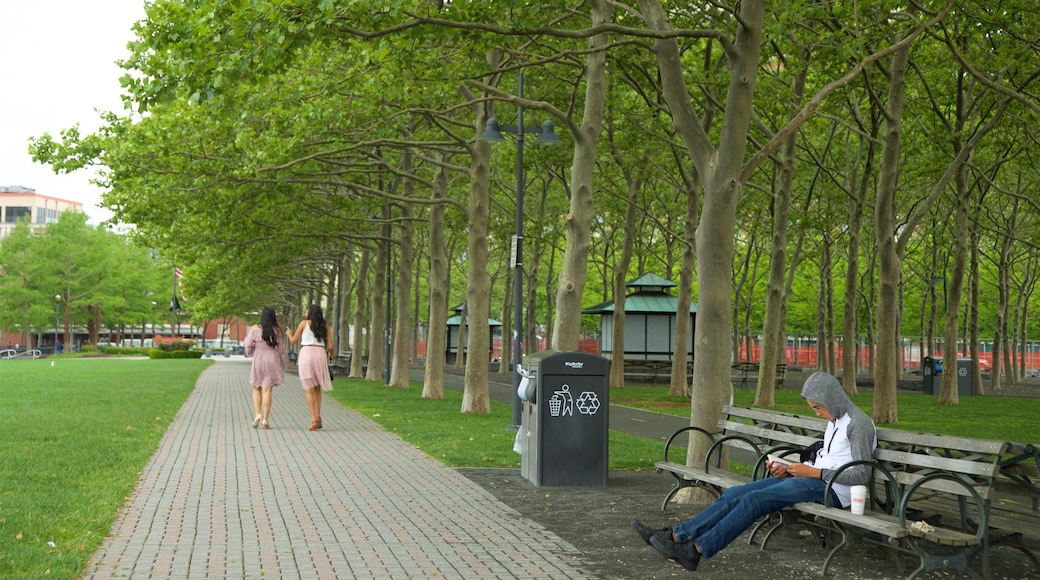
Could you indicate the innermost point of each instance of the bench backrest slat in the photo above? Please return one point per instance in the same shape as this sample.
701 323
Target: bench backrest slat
773 436
787 419
919 461
966 445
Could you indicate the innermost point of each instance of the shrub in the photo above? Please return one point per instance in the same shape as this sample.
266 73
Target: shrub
127 350
185 354
172 344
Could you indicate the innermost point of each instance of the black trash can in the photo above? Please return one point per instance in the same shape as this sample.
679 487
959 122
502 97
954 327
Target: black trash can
564 419
965 377
931 369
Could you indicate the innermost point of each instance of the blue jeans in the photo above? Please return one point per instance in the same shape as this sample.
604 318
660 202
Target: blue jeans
738 507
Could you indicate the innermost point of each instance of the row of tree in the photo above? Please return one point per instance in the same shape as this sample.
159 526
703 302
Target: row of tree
764 156
98 279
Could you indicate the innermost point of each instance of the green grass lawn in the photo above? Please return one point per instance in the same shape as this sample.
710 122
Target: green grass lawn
77 435
75 438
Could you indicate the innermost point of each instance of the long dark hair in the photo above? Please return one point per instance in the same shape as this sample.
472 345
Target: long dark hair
318 326
269 324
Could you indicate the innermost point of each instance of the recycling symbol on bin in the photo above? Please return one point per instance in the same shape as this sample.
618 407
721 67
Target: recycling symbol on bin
562 403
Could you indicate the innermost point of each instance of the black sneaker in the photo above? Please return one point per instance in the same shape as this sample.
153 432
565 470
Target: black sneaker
646 532
685 553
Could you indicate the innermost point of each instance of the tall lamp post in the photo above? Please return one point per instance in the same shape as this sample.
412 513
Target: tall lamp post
546 136
57 303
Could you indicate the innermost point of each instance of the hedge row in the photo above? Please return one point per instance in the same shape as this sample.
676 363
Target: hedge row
155 353
124 350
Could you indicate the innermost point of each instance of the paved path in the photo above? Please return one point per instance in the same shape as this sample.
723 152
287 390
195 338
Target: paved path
220 499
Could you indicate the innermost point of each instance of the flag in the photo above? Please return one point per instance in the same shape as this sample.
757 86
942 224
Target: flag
177 273
175 304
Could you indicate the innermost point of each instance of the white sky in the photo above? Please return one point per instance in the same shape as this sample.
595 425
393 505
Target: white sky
57 68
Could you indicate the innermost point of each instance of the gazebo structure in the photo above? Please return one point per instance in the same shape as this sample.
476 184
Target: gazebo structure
455 336
650 316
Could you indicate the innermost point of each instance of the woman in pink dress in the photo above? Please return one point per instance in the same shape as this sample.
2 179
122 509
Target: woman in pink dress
316 350
264 344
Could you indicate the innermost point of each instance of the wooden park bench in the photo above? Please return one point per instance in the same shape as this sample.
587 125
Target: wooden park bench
650 370
342 363
747 372
935 497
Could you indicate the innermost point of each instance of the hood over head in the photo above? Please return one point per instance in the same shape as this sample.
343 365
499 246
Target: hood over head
825 389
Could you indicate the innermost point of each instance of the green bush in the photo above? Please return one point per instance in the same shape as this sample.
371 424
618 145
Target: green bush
88 348
155 353
185 354
127 350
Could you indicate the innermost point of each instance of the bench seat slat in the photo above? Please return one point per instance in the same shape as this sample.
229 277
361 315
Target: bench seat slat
719 477
872 521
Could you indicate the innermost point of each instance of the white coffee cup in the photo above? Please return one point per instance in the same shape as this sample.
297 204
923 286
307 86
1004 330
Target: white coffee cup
859 499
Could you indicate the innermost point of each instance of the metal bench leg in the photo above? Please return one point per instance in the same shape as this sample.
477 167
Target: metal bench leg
679 484
760 524
929 562
782 521
834 551
684 483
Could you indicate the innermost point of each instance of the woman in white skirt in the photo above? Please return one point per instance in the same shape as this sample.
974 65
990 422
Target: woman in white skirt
316 350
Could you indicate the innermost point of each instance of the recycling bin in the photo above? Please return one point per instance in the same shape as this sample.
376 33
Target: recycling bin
564 424
965 377
931 370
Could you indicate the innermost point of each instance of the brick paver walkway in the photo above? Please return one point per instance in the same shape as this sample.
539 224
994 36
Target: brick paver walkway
220 499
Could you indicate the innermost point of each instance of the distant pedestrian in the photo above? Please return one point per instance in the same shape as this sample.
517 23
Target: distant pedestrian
263 343
316 351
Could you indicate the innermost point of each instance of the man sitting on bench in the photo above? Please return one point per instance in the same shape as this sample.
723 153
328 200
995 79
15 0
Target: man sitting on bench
850 436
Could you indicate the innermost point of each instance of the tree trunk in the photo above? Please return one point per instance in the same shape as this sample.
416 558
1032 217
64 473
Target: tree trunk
475 396
377 331
357 368
679 386
722 173
973 308
433 381
888 370
400 367
776 288
533 253
1003 289
345 293
399 358
850 312
948 394
634 180
567 327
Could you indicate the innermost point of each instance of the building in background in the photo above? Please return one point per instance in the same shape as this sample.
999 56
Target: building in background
18 203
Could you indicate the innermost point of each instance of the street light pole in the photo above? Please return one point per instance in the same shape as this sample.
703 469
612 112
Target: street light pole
57 303
547 136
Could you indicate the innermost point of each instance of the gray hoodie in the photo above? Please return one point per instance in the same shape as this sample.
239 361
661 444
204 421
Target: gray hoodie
850 437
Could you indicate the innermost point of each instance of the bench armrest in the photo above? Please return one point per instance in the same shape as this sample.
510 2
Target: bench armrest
892 495
668 443
981 505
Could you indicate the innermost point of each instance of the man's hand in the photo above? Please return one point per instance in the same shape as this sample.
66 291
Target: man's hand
803 470
777 469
